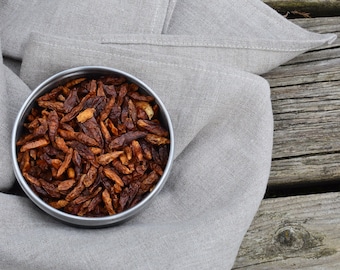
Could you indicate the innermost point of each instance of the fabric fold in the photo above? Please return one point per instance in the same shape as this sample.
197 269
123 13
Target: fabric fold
240 33
13 92
18 19
257 56
5 132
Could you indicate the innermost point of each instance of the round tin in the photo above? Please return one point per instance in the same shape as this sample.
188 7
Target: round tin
60 79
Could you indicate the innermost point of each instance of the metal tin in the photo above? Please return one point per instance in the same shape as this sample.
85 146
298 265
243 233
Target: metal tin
59 79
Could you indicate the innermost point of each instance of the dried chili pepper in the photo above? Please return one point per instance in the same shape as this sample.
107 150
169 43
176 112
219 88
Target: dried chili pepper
94 146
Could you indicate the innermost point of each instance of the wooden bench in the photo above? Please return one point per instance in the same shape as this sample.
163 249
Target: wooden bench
298 223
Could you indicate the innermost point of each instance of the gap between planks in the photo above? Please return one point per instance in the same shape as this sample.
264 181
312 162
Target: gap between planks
305 8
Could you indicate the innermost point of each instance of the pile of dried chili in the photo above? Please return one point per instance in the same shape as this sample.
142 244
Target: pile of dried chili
94 146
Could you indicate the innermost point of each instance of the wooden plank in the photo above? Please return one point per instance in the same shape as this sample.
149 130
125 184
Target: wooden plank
306 119
306 7
300 232
320 25
306 107
305 171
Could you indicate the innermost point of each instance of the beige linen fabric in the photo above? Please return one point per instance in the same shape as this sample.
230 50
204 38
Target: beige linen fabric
240 33
201 58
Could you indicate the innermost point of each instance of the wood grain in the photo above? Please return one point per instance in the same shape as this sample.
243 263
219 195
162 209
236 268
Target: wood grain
300 232
306 107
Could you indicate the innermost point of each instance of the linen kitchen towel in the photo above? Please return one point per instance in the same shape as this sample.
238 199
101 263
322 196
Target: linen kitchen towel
204 60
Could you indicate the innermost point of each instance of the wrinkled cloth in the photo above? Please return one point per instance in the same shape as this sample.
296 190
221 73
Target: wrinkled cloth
204 60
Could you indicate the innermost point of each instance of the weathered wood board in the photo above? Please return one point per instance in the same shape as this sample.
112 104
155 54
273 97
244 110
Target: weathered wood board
306 107
300 232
